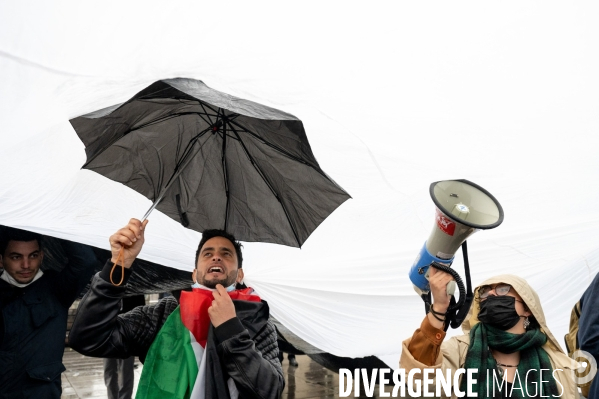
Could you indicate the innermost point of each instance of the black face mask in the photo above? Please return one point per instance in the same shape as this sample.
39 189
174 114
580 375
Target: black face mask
499 312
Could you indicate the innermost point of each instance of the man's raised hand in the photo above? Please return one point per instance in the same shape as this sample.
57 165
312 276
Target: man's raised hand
222 308
131 238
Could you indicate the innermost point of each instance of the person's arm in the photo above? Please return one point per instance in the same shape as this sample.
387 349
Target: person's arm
99 330
450 358
588 325
73 278
425 344
253 364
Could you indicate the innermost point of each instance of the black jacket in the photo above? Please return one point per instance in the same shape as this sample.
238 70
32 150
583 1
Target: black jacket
246 347
34 321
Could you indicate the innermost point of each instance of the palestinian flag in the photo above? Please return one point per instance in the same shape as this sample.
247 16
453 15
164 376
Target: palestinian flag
175 366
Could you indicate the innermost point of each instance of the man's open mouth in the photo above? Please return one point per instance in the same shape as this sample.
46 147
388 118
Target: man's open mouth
215 269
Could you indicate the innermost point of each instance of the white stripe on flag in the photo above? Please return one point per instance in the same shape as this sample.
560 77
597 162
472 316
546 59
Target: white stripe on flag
199 391
199 386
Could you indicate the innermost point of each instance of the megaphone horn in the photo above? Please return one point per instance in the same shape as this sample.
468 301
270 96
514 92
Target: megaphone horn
463 208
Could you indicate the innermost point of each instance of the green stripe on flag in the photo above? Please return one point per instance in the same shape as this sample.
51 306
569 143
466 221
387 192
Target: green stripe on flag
170 369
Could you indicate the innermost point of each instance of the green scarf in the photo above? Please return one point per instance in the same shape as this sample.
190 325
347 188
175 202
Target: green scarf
532 357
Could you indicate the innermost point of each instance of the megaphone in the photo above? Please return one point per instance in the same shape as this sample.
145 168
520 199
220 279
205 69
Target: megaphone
462 208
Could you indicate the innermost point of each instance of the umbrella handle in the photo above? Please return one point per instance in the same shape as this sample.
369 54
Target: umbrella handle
120 257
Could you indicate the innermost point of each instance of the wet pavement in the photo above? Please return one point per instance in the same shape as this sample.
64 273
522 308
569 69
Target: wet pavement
84 378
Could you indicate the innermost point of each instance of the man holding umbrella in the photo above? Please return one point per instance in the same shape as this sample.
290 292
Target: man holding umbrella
216 342
204 158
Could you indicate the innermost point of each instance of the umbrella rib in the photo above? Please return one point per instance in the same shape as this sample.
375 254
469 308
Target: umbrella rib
175 115
167 117
224 163
279 149
179 167
229 117
178 170
255 165
232 117
189 147
152 96
209 121
206 112
140 127
203 103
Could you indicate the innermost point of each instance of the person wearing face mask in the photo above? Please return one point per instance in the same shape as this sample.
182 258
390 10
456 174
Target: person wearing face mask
216 341
504 333
34 305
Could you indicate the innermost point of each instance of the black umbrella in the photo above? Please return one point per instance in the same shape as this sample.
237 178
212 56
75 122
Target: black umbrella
211 160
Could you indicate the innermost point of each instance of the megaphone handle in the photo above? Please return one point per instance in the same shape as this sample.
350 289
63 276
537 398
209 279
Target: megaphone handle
451 288
450 316
426 297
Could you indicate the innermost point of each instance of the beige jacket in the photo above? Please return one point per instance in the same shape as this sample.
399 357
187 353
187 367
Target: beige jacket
453 351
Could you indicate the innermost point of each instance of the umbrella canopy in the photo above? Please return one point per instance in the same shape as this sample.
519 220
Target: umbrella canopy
211 160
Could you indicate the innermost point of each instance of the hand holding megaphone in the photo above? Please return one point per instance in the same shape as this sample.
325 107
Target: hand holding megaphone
440 283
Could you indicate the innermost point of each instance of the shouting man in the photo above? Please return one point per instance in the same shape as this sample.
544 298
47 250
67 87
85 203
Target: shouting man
216 343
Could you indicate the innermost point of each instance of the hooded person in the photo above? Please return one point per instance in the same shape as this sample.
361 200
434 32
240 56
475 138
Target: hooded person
506 339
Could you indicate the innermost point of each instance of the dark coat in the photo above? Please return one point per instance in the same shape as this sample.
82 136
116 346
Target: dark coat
588 327
247 344
35 321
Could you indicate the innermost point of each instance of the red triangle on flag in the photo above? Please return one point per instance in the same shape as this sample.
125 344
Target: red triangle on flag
194 309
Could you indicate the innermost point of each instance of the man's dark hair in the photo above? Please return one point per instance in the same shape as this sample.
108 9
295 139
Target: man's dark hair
208 234
11 234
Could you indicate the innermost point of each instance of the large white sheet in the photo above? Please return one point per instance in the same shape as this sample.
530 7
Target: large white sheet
392 96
